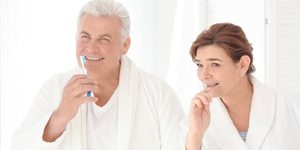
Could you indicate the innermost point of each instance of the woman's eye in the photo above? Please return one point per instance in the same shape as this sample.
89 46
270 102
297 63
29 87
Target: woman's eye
215 65
199 65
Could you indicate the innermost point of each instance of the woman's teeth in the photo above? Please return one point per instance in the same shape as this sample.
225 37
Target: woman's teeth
211 84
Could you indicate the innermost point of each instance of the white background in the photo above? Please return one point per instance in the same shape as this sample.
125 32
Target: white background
37 40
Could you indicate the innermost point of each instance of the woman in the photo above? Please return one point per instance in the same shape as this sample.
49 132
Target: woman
235 111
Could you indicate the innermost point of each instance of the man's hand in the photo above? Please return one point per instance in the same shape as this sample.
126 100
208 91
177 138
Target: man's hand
73 97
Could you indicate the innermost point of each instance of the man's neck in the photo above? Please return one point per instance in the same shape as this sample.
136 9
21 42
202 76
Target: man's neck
107 81
106 77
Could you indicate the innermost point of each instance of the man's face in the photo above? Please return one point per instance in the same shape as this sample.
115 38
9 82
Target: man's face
99 38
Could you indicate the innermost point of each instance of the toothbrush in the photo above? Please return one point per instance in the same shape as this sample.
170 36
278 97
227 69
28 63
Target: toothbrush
83 61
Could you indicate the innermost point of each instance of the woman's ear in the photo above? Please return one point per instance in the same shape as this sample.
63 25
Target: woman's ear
244 64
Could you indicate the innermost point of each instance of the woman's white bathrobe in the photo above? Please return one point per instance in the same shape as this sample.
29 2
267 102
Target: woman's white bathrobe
149 113
274 123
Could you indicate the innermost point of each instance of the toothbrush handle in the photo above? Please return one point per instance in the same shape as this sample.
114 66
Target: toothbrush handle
89 94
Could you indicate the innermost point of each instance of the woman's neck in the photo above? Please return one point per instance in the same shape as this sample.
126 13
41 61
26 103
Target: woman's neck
240 96
238 104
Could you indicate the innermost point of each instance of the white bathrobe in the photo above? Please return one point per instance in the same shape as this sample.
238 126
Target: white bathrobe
149 113
274 123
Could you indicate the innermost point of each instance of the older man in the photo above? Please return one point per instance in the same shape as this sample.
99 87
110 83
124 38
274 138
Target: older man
130 109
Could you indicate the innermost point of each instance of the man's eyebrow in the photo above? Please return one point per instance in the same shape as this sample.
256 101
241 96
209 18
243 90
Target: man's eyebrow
84 32
105 35
99 36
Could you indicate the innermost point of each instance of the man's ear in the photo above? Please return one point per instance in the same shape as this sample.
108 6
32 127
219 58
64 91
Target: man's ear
126 45
244 64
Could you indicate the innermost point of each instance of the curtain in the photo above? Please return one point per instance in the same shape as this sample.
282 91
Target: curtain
189 21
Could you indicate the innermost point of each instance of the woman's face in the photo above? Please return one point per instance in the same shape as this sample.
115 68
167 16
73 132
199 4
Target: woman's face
220 75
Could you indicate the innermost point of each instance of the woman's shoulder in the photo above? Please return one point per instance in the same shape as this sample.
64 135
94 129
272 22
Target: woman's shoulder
281 95
287 97
287 104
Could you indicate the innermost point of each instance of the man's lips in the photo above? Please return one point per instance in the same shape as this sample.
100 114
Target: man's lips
94 58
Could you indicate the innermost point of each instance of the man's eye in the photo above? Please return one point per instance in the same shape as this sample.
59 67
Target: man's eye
84 36
105 40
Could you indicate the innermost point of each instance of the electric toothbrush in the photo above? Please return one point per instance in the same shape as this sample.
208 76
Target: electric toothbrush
83 60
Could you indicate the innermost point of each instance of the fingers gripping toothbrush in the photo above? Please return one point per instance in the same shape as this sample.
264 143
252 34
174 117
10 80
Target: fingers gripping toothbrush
83 61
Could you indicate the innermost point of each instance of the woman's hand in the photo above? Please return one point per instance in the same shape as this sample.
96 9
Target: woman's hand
199 119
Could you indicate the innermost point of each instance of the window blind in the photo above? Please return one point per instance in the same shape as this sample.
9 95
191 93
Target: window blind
286 45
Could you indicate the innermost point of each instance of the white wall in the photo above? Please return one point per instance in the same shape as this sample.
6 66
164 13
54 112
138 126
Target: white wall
250 15
37 40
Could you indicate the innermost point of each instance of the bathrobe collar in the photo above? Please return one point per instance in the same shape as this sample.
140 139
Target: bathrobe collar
128 96
262 111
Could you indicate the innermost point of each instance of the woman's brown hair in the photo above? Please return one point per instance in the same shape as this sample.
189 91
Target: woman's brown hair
228 36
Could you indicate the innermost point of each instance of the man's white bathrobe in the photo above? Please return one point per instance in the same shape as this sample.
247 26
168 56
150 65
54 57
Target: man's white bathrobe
149 113
274 123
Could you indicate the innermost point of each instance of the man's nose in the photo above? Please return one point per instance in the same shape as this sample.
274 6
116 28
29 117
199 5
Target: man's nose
93 46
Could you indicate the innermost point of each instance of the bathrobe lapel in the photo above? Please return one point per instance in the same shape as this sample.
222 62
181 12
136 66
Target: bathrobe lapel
78 127
224 132
78 123
261 115
128 97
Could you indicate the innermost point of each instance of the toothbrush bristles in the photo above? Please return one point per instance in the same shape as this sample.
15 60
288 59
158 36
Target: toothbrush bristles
83 59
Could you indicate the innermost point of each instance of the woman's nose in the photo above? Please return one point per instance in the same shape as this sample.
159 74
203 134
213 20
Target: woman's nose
204 73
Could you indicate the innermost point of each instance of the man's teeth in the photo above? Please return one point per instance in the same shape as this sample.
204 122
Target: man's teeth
93 58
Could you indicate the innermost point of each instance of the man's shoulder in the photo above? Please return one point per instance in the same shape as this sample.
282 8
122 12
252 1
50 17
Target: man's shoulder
154 84
63 77
152 79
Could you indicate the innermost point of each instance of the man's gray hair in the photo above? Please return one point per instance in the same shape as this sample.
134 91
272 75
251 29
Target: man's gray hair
108 8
